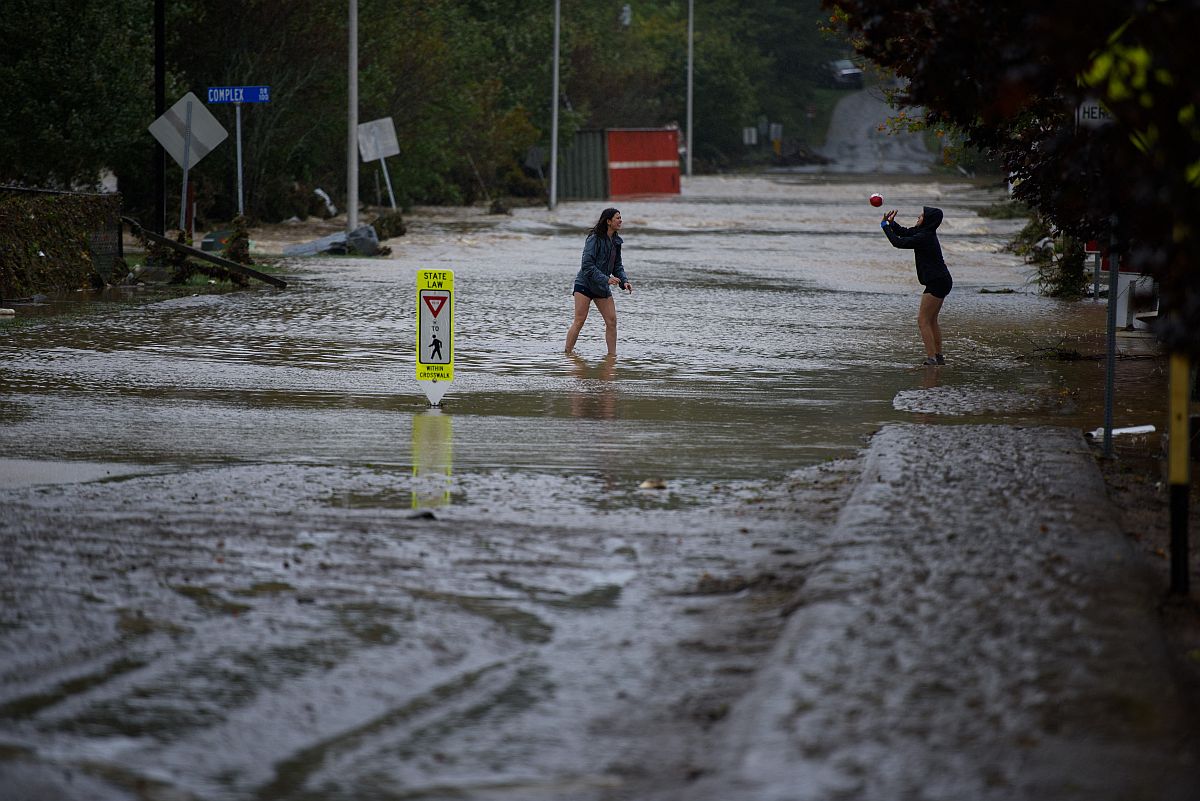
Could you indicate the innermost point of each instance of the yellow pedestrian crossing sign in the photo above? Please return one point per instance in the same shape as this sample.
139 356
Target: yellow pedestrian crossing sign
435 329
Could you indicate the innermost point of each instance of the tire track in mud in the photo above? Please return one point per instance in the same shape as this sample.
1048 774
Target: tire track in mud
230 633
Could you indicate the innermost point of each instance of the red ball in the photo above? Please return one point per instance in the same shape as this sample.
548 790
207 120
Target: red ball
876 199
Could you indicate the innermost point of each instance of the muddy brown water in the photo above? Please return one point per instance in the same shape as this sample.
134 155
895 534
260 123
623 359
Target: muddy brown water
244 559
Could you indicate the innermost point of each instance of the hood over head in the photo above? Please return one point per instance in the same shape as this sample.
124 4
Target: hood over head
933 217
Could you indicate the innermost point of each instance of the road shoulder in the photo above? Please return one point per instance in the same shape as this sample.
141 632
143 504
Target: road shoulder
982 630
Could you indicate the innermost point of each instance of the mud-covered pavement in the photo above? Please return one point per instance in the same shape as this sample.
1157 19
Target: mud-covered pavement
242 559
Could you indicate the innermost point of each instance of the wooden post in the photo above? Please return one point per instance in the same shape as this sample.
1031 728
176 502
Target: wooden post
1178 452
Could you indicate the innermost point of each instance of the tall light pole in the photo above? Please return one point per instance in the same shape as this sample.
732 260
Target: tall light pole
352 125
160 108
554 118
691 4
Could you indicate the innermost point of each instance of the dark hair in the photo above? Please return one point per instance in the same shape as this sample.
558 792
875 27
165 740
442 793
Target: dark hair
601 226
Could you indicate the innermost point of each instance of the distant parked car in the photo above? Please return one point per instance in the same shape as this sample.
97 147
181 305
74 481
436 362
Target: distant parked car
844 74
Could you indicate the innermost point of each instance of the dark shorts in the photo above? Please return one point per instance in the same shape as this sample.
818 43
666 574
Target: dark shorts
939 287
583 290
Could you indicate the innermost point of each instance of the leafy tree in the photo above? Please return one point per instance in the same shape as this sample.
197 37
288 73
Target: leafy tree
78 89
1010 78
292 144
467 83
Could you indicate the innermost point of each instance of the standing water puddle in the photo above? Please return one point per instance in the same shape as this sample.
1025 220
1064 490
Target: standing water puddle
274 573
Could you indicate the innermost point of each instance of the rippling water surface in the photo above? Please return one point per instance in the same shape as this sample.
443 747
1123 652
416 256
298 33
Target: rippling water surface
772 326
244 560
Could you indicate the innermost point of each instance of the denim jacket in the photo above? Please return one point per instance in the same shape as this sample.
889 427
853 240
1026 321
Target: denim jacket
601 258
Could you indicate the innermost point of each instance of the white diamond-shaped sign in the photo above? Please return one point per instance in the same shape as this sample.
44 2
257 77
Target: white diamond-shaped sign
170 128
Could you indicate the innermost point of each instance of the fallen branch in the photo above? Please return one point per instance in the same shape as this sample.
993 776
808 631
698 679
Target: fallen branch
231 266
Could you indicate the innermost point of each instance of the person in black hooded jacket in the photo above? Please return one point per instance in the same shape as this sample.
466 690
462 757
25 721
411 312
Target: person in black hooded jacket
931 272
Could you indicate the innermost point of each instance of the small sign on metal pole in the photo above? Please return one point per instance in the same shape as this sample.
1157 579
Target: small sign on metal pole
377 141
239 95
435 332
1091 113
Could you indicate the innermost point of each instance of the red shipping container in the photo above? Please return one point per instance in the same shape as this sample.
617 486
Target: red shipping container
643 161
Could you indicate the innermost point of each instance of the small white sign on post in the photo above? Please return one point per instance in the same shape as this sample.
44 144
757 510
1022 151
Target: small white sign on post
1091 113
377 141
189 132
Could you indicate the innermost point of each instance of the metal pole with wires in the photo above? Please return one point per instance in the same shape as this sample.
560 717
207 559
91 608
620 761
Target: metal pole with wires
352 123
554 116
691 4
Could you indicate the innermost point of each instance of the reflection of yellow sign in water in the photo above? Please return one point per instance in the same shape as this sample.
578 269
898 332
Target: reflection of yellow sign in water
432 459
435 325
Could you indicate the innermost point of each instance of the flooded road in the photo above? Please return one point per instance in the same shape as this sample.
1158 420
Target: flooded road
244 559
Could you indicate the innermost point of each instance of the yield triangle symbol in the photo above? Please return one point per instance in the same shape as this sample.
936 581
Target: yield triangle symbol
435 303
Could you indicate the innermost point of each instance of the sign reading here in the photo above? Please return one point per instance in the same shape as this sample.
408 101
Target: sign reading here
435 325
1091 113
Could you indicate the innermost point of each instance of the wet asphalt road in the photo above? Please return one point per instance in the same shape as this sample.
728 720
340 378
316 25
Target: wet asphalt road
243 560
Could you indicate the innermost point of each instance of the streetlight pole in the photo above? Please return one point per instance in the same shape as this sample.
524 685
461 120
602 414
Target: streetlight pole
554 117
352 125
160 108
691 4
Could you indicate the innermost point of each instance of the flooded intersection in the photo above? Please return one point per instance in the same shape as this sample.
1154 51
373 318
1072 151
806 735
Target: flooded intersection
244 560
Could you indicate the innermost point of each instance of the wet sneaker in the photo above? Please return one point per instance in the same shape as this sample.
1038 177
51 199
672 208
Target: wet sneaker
930 362
940 359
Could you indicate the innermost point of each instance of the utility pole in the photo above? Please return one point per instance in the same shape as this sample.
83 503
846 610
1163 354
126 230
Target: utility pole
691 15
352 125
159 223
554 117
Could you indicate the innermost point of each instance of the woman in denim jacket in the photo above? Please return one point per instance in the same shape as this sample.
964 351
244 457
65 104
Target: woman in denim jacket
601 269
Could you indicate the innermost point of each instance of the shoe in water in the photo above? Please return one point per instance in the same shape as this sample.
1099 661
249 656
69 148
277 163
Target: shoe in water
930 362
940 359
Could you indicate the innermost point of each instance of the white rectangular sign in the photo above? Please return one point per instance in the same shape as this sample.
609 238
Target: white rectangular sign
377 139
1092 114
436 331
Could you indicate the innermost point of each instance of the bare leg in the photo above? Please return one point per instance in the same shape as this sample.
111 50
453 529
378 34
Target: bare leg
582 304
927 324
608 310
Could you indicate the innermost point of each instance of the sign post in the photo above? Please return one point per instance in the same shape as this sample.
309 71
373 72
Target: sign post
1091 114
239 95
435 332
1178 469
377 141
189 132
1092 248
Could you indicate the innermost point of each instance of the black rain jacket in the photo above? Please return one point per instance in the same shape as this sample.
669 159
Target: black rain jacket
923 242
